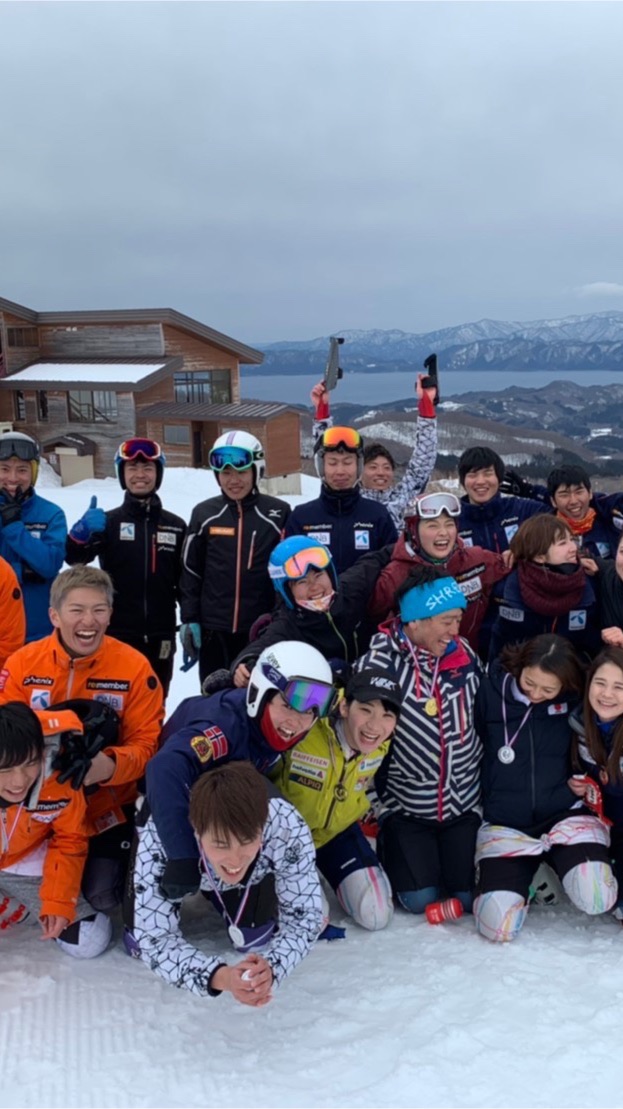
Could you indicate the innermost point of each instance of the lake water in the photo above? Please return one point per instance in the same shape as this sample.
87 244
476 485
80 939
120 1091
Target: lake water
382 388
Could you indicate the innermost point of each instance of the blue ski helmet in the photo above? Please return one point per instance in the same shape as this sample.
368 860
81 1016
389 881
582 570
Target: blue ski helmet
292 559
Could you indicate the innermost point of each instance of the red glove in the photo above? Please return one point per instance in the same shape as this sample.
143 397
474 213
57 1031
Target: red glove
320 400
426 398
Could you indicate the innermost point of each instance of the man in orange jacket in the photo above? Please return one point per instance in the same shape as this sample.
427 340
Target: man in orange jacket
44 839
13 624
80 661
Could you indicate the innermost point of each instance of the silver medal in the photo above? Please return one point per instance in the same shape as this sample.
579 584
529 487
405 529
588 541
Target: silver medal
506 755
236 935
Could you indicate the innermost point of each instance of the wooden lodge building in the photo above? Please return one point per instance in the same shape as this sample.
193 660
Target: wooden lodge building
82 382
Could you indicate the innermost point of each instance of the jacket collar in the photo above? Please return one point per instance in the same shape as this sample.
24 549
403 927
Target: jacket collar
479 512
342 501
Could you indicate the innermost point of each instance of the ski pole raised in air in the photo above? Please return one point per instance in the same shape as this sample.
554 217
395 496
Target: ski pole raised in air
333 371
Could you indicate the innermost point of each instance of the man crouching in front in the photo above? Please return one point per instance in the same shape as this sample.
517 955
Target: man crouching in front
257 868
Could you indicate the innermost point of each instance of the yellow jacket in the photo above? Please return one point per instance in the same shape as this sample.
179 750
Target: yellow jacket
328 789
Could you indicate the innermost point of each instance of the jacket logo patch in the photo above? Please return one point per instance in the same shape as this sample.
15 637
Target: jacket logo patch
510 531
34 679
302 780
222 531
166 537
110 685
202 748
218 743
127 531
604 548
557 710
40 698
362 540
323 537
514 614
468 588
115 700
577 619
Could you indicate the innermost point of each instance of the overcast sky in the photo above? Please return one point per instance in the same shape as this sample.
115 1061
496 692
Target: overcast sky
285 170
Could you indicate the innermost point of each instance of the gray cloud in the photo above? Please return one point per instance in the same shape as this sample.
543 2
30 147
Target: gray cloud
283 170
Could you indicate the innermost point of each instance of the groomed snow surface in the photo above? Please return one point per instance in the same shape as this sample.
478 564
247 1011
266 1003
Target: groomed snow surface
417 1015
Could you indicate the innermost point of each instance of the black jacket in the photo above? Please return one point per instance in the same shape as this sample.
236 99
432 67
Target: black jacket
532 788
141 549
224 584
609 591
343 632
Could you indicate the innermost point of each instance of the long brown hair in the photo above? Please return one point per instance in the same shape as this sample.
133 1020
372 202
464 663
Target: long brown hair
552 654
593 736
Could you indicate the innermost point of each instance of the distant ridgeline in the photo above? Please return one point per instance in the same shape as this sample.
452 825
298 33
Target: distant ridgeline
574 343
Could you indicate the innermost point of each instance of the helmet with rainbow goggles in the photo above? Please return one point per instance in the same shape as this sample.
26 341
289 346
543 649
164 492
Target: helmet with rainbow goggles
240 450
345 439
293 558
138 449
296 670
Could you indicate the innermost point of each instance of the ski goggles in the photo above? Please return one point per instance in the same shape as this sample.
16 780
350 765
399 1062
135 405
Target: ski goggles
302 694
346 437
432 505
18 448
139 448
239 458
297 565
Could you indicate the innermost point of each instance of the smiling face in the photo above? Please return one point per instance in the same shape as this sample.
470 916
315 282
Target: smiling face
17 781
436 633
15 476
564 549
605 693
229 858
437 536
367 724
82 620
140 476
289 724
236 484
573 501
377 474
340 469
618 562
538 685
481 485
315 585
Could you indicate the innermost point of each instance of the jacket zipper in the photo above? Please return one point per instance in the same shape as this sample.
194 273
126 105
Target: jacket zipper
251 550
339 784
532 777
238 567
340 636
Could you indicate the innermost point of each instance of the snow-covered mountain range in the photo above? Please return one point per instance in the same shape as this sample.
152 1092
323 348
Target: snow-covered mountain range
574 342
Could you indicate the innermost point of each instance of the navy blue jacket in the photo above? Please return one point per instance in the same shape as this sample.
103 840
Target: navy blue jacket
532 788
347 523
202 733
493 525
515 622
603 538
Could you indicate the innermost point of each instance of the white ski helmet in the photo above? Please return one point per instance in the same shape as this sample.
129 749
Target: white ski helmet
16 444
244 441
297 671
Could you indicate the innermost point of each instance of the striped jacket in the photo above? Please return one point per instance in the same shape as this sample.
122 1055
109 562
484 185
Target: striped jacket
433 767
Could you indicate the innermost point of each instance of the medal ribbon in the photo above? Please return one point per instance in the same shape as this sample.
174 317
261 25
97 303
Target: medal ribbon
418 672
8 836
208 873
509 742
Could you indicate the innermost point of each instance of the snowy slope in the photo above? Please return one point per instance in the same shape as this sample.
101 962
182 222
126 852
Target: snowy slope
413 1016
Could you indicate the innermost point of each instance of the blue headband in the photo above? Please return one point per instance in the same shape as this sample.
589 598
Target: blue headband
424 601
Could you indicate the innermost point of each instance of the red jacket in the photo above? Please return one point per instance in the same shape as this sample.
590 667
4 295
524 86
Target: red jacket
42 674
475 569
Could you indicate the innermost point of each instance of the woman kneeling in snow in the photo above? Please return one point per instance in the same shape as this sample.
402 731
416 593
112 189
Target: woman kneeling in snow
529 802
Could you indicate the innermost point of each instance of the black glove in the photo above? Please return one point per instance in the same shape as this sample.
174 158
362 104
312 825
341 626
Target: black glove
181 876
72 760
515 485
77 750
217 680
11 511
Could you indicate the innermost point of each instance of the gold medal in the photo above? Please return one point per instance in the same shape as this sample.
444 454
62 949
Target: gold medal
430 708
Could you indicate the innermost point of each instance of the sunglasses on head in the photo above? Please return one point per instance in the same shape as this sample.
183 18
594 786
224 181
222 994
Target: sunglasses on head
302 694
296 567
140 448
346 437
432 505
239 458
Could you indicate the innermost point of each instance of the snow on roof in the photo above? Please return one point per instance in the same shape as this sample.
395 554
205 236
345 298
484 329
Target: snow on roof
127 373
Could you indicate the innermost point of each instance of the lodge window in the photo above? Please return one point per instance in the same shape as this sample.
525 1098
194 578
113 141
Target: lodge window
20 405
23 336
203 387
42 406
177 435
99 406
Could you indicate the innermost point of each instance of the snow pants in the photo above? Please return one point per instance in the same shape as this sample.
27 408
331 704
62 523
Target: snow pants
427 860
352 869
87 937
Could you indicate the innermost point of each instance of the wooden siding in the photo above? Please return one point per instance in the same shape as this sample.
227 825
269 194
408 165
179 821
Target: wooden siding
101 341
199 355
280 436
15 358
107 436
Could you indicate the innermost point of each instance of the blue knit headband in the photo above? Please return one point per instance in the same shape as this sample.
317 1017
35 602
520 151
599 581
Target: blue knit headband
424 601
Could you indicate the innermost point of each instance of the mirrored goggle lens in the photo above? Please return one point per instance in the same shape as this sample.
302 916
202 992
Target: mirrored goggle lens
433 504
237 457
307 696
316 558
17 448
347 437
132 448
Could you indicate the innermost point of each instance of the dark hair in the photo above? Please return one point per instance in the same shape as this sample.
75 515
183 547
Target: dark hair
592 733
422 574
21 735
231 800
480 458
551 653
567 475
377 450
536 535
